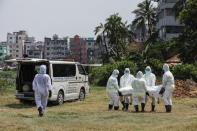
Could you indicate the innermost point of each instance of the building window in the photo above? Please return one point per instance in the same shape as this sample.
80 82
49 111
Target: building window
17 46
16 55
169 12
48 48
19 38
10 37
174 29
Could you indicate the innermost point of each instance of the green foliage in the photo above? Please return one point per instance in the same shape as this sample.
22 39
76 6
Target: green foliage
100 75
145 14
188 40
113 37
185 71
7 80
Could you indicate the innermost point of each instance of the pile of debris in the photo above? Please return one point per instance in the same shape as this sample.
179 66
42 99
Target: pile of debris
185 89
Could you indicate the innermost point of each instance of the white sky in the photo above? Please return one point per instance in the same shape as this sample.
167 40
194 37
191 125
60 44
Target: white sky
42 18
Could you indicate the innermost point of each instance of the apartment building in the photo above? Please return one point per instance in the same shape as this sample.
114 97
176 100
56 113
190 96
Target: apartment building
56 48
168 26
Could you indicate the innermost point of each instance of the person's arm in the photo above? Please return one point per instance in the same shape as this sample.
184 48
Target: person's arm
121 82
154 80
48 83
164 79
34 84
116 84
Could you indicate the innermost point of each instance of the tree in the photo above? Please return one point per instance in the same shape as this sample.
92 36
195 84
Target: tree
114 35
188 17
145 17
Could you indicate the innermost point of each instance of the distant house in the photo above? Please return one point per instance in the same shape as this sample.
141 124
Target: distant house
175 60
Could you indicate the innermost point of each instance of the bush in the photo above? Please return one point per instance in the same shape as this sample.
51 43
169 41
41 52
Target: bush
185 71
100 75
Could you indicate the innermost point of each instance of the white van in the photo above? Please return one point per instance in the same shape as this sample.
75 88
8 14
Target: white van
69 79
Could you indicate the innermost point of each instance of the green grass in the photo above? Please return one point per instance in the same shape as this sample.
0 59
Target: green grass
92 114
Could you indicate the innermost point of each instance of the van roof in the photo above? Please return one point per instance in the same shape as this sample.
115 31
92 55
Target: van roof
40 60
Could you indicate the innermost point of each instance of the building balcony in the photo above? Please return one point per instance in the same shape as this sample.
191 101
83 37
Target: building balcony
168 21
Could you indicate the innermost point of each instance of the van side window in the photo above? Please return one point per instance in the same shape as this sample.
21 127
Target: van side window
63 70
81 70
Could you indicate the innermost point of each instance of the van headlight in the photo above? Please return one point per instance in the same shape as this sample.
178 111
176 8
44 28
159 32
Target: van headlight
26 88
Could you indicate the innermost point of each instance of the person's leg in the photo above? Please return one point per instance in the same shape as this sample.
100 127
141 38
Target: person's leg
122 101
116 101
143 101
127 98
44 102
166 101
135 103
38 103
153 104
110 106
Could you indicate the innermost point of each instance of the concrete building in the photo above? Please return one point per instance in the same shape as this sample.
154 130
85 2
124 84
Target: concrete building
93 51
35 50
167 25
56 48
79 48
4 51
16 43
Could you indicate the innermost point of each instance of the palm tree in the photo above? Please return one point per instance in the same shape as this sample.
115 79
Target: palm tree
145 16
115 35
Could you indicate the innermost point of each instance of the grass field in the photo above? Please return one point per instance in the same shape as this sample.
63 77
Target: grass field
92 114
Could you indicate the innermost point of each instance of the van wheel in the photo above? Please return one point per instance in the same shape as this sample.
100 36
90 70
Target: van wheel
60 98
82 95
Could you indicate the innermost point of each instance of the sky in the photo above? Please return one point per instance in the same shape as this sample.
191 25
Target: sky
43 18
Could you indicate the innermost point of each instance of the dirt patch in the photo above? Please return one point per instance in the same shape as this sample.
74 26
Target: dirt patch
185 89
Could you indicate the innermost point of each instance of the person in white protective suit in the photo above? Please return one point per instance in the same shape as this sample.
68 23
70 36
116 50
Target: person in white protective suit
169 86
126 81
112 90
139 91
41 87
150 81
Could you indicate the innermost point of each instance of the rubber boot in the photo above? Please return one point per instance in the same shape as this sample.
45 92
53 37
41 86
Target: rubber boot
110 107
167 108
142 106
40 111
136 108
153 108
116 108
126 106
123 105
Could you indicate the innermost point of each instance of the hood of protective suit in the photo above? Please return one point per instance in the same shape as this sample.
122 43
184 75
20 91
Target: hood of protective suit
42 69
115 73
148 70
139 75
166 67
127 71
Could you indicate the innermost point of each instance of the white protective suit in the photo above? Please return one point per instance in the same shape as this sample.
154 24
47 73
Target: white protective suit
168 84
125 82
150 82
41 87
139 89
112 90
